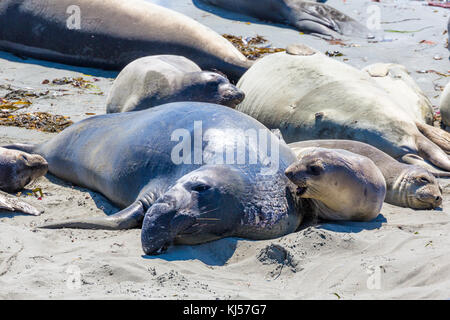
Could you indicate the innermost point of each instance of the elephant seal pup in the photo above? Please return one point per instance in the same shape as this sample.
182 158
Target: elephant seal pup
310 96
17 169
407 185
110 34
306 16
167 170
157 80
360 185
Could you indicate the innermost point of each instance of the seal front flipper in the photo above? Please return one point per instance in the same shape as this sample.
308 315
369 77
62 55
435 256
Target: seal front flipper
414 159
14 204
129 218
440 137
29 148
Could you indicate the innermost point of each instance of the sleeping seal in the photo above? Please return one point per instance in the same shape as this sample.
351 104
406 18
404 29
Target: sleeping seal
17 169
341 184
306 16
156 80
309 96
110 34
174 190
407 185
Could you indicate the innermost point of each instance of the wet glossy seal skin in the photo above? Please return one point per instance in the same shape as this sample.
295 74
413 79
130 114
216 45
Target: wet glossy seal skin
407 185
306 16
129 158
156 80
310 96
111 33
342 185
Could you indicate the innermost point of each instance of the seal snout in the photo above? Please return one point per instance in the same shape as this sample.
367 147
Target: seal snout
231 95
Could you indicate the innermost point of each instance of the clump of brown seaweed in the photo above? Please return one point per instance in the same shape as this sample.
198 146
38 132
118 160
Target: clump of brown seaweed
42 121
252 47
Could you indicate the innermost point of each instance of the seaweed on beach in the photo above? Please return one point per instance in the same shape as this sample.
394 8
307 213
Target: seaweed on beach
252 47
78 82
42 121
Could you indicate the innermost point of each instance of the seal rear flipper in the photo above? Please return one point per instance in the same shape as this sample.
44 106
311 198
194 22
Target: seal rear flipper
414 159
129 218
440 137
14 204
28 148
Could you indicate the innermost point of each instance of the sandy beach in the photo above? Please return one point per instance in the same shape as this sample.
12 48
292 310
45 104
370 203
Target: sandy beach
403 254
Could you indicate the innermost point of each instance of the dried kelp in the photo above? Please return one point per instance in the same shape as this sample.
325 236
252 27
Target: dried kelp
42 121
252 47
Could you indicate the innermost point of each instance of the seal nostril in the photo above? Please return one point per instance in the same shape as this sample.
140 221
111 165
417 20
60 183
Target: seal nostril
438 198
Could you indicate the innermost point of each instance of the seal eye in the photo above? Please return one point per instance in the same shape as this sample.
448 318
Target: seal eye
201 187
314 170
424 180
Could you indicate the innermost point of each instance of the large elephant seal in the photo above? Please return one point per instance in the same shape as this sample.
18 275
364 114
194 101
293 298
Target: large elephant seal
306 16
309 96
407 185
179 186
319 172
111 34
156 80
17 169
444 105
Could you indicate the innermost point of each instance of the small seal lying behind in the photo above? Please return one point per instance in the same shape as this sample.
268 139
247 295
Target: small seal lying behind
407 185
341 184
156 80
17 169
306 16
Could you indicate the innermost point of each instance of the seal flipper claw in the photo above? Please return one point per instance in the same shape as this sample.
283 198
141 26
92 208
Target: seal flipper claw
14 204
129 218
440 137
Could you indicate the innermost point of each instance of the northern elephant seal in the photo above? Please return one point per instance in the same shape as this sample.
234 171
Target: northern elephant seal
407 185
444 105
156 80
186 195
110 34
17 169
309 96
342 185
306 16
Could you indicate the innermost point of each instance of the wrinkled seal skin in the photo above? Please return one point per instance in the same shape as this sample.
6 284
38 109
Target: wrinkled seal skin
407 185
309 96
127 157
157 80
306 16
112 34
320 172
17 169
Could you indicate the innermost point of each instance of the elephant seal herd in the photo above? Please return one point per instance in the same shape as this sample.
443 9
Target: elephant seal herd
183 165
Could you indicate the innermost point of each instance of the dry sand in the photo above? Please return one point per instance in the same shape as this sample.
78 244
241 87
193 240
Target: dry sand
402 254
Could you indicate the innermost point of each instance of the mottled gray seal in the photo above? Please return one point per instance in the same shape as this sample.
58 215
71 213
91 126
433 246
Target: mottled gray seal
407 185
309 96
192 202
156 80
343 185
17 169
111 34
306 16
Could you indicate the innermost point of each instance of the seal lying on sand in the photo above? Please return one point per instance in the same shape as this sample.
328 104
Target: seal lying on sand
192 200
444 105
17 169
156 80
111 34
407 185
341 184
309 96
306 16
